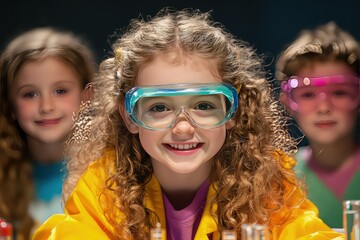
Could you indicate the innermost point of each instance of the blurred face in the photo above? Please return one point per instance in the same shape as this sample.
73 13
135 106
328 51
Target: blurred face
326 113
184 147
45 96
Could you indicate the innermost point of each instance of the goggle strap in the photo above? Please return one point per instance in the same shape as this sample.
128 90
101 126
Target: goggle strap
238 89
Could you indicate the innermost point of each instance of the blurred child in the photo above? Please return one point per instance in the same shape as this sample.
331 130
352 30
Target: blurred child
320 74
44 74
186 134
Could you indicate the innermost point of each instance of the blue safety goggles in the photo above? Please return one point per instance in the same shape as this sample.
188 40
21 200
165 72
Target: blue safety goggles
159 107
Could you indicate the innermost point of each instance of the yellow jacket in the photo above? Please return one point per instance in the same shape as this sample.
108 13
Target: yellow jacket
84 217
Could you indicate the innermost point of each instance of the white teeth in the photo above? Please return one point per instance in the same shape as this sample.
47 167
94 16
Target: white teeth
184 146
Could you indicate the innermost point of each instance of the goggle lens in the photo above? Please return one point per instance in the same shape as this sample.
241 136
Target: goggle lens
162 112
305 94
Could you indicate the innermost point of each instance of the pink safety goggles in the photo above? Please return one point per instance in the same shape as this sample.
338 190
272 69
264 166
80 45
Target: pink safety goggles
305 93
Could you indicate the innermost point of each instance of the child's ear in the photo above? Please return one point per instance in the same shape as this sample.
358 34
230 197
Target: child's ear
285 100
88 93
132 127
229 124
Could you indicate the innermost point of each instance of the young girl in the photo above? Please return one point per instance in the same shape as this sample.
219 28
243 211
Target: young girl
43 77
320 71
186 135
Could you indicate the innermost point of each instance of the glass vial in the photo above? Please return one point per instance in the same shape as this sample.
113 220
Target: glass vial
254 232
260 232
228 235
157 233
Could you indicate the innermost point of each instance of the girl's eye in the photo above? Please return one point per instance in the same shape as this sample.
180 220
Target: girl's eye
308 95
60 91
339 93
159 108
29 95
203 106
342 93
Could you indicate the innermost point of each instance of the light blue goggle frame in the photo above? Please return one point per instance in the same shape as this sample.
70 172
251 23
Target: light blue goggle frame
185 89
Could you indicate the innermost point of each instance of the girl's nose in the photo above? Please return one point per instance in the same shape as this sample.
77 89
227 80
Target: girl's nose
324 104
46 104
183 127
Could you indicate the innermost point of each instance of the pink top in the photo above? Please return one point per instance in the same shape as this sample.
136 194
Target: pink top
182 224
337 180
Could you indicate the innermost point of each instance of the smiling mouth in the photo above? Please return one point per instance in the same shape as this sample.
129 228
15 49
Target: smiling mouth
325 124
189 146
48 122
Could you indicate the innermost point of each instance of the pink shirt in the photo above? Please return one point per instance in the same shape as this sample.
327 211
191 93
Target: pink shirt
182 224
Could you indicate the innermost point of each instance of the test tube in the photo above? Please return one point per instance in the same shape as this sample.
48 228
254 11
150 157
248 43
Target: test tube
260 232
228 235
351 219
254 232
246 232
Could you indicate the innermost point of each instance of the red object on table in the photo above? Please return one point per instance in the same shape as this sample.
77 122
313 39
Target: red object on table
5 229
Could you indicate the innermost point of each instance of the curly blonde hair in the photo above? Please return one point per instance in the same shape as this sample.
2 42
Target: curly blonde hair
248 176
16 188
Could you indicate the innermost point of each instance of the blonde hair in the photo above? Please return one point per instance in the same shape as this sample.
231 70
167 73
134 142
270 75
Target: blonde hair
324 43
16 188
249 178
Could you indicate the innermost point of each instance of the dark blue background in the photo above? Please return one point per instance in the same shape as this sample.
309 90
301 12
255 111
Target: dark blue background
268 25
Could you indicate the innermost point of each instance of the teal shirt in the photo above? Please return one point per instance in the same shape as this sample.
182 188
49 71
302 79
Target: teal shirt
48 180
330 207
